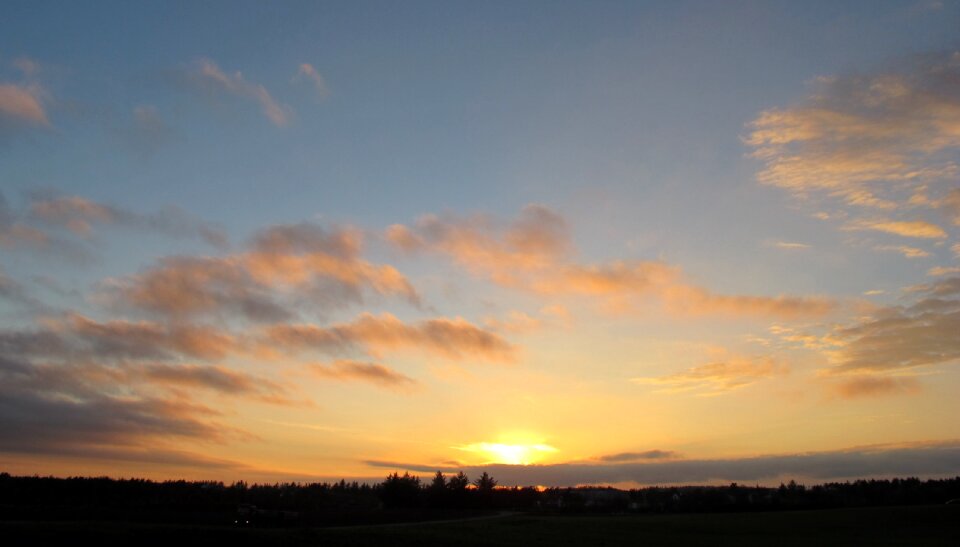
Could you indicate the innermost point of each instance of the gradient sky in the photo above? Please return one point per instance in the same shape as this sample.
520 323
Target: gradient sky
630 243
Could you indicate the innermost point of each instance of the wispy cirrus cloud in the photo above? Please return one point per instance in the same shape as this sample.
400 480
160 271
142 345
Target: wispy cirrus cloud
718 377
791 245
306 73
208 76
913 228
79 215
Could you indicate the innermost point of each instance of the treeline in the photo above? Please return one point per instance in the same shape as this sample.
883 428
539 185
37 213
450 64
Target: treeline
407 497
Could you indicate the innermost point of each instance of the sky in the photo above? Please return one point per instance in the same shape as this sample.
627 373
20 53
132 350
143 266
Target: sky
565 242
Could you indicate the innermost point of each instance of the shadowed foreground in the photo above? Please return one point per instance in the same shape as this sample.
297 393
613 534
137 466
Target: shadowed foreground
917 525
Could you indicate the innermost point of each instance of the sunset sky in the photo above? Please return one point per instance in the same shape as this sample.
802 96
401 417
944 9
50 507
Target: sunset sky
631 243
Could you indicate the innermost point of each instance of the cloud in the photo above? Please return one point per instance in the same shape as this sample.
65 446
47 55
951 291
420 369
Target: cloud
535 253
516 322
790 245
40 423
950 205
872 386
860 137
50 409
307 73
915 228
29 67
75 336
21 104
919 459
941 271
450 338
718 377
898 338
147 131
216 378
638 456
869 142
366 372
80 214
282 268
535 240
16 233
697 301
205 74
908 252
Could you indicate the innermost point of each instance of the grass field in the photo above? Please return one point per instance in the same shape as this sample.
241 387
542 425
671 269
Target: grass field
916 525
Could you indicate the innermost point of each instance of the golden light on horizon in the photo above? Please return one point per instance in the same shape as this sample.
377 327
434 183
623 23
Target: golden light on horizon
510 454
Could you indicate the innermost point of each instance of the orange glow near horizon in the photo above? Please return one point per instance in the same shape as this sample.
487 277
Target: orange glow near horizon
511 454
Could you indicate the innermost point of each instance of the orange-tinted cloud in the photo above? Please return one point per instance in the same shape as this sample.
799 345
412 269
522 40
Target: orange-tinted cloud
535 253
450 338
534 241
883 141
873 386
22 104
913 228
283 267
861 137
905 250
365 372
718 377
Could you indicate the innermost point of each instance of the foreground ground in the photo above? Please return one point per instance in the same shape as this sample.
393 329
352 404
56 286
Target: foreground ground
916 525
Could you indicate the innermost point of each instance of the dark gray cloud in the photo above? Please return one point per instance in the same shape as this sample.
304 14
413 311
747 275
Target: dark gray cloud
75 337
639 456
32 422
212 377
939 459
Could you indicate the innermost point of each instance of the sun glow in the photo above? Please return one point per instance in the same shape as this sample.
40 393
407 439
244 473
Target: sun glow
511 454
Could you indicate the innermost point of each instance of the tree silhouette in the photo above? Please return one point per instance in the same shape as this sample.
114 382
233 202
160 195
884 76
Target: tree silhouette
485 483
437 491
397 491
458 482
439 482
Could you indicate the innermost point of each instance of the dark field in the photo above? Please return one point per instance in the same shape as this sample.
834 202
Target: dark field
916 525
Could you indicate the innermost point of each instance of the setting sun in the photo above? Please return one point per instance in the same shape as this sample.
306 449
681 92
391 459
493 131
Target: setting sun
511 454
